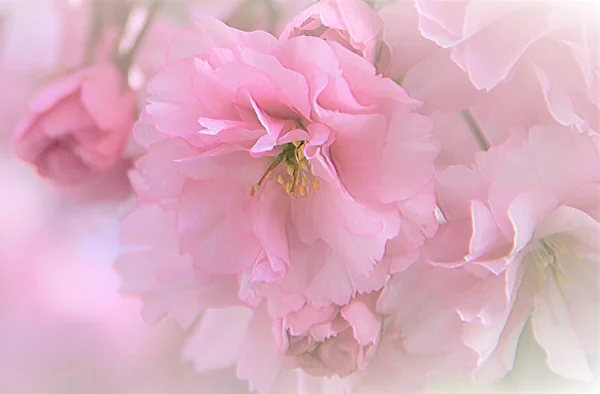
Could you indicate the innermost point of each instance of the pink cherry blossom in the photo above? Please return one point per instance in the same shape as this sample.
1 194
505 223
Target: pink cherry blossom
78 126
525 221
308 165
52 34
386 195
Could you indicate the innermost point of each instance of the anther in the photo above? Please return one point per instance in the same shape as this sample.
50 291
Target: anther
295 178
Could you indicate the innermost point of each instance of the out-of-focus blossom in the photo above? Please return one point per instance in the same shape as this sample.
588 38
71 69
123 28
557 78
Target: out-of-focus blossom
37 39
525 221
64 326
57 41
78 125
427 38
17 89
557 42
309 165
58 45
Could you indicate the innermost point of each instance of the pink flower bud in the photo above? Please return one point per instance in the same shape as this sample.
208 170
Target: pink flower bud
78 126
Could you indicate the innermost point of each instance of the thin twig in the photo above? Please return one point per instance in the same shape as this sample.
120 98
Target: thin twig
124 61
480 137
95 30
120 18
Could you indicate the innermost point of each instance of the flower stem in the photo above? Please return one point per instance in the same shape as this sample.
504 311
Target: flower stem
104 15
95 30
480 137
124 61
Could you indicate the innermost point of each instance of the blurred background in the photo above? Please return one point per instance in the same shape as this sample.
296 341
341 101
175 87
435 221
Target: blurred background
64 326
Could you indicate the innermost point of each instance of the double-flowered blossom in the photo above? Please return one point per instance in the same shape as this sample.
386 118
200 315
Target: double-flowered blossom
522 233
283 169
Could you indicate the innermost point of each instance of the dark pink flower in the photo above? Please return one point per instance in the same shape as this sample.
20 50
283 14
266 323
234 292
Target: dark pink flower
78 126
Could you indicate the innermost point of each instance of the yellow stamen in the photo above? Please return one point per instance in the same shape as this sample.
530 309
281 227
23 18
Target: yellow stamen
288 188
295 177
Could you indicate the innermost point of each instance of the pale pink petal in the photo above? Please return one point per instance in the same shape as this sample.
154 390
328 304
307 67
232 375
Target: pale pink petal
362 318
216 341
497 345
205 232
103 96
526 212
553 331
259 344
486 234
408 47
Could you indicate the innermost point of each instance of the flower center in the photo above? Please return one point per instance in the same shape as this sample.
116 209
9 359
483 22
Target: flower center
298 173
547 256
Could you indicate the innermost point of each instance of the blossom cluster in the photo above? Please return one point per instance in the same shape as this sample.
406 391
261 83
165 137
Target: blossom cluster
350 196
